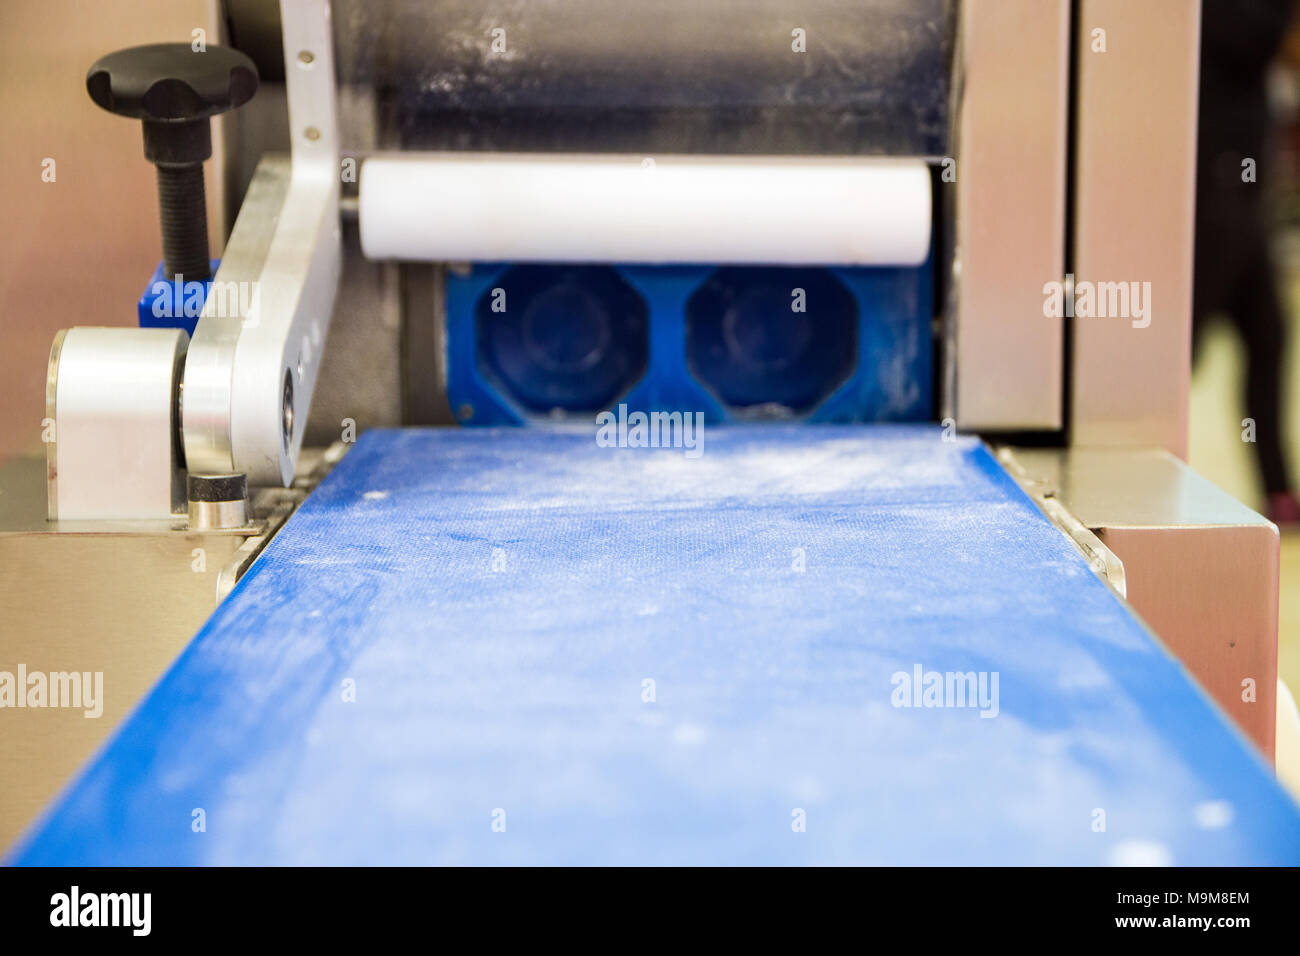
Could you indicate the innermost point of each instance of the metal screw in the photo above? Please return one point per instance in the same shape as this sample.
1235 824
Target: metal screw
174 89
286 412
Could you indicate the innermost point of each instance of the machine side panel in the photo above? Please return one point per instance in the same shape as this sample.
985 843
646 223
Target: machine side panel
1134 218
1010 213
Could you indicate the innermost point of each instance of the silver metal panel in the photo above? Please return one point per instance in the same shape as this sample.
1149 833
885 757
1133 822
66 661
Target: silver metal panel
674 76
1135 177
1010 214
121 598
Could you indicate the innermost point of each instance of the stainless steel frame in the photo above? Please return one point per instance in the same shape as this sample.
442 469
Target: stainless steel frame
1133 208
251 371
121 598
1201 569
1005 357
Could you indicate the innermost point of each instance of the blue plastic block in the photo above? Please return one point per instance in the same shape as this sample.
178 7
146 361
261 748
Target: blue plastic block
728 342
167 304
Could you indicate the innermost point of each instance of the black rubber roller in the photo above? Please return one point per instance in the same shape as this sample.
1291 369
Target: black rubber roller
216 488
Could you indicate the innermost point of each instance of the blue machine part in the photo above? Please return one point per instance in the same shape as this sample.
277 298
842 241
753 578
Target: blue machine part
753 340
516 646
167 304
822 344
573 338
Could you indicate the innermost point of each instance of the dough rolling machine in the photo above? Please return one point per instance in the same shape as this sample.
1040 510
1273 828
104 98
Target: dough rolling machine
651 434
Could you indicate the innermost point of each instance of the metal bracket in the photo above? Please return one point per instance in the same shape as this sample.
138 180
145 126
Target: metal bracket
252 365
1104 562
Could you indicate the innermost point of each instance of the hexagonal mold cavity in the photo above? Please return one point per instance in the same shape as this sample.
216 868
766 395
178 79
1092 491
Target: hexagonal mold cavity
562 338
749 344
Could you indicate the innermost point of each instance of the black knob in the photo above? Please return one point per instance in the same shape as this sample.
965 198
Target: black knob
174 89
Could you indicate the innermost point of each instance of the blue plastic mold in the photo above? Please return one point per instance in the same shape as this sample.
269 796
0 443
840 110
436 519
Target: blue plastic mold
560 341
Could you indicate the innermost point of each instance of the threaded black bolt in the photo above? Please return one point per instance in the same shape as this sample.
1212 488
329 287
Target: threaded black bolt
184 214
174 89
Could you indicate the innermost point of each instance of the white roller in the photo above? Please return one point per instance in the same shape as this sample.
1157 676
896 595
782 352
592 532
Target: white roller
771 210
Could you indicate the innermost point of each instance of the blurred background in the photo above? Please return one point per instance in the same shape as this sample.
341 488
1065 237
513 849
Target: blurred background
78 250
1248 275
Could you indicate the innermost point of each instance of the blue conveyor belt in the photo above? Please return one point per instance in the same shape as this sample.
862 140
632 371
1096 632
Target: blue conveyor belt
633 656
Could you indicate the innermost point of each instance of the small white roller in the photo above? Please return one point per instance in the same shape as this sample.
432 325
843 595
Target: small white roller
743 210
